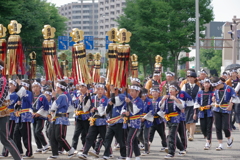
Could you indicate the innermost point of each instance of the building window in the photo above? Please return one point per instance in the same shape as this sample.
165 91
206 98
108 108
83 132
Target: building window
77 6
95 27
112 0
85 22
106 26
86 11
69 23
76 17
86 16
69 7
112 25
112 6
106 8
112 13
106 20
101 33
101 27
118 5
96 16
95 11
86 6
76 22
96 32
76 11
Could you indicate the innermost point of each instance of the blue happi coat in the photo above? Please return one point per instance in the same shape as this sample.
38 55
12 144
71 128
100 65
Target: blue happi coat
102 102
26 103
13 100
184 96
117 108
226 99
138 103
148 107
156 108
62 107
200 99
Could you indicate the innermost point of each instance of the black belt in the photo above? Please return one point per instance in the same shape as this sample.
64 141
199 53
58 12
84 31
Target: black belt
97 116
61 115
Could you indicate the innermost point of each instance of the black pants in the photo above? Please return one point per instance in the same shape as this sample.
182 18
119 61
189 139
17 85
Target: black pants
160 128
38 126
117 131
172 137
48 130
182 133
222 122
182 142
81 127
23 130
57 139
132 143
92 135
6 140
206 126
143 136
11 130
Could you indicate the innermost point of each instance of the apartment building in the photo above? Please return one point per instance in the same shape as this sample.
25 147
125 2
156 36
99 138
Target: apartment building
82 15
108 12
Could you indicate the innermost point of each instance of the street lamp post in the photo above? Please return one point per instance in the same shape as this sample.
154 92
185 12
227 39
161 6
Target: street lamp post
197 35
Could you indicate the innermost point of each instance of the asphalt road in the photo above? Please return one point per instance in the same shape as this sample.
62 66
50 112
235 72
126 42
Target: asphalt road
194 152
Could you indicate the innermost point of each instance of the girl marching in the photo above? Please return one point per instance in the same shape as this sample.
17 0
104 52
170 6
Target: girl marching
203 103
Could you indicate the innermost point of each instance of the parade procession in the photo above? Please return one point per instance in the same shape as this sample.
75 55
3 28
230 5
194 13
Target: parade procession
121 104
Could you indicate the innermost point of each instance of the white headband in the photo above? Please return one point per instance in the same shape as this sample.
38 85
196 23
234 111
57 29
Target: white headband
65 78
100 86
153 89
207 80
60 86
145 94
1 67
83 84
224 74
47 92
156 74
203 71
233 71
136 79
170 74
25 84
217 83
172 86
13 82
135 87
36 83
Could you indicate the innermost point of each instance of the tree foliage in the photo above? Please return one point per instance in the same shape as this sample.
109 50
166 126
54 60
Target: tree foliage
211 59
164 27
33 15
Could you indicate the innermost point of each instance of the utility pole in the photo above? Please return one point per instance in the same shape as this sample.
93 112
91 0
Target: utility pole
234 37
197 60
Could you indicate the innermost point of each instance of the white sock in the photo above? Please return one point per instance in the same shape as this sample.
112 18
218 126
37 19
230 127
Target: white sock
44 147
71 151
221 145
128 158
230 140
137 158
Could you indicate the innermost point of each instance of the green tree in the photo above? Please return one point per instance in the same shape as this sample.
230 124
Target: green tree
33 15
211 59
163 27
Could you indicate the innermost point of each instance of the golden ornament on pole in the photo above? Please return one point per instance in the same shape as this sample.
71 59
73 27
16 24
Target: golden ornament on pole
96 69
134 67
33 65
15 54
80 70
64 64
51 65
3 47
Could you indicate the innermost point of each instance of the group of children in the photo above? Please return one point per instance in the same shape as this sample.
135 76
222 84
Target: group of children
132 116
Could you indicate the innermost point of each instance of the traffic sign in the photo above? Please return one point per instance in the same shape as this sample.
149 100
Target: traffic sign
63 42
89 42
71 43
107 42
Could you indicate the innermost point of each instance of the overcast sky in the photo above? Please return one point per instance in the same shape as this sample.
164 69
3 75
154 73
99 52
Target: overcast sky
223 9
